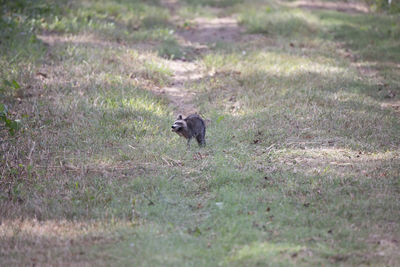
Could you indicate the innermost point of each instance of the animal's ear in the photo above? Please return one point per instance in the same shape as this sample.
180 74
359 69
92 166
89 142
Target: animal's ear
179 117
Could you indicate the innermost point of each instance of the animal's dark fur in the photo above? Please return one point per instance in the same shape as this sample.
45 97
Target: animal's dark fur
192 126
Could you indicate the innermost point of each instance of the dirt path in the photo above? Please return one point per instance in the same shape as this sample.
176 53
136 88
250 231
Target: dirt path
341 6
203 33
179 97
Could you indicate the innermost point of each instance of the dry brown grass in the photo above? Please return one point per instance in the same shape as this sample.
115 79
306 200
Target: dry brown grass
59 242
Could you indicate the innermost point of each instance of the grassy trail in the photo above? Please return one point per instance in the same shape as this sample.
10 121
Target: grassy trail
301 100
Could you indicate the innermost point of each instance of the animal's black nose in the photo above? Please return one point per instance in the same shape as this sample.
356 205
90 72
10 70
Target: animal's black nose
173 127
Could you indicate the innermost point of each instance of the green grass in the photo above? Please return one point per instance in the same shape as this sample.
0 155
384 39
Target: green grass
302 159
214 3
170 49
278 22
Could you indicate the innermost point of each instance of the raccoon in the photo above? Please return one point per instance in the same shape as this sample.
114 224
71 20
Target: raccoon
192 126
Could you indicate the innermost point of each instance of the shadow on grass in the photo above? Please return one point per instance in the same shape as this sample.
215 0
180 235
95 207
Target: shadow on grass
284 107
372 41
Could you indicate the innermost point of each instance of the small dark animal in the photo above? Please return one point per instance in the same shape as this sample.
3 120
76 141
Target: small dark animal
192 126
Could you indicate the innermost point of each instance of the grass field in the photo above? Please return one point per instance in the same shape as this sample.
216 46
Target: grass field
302 105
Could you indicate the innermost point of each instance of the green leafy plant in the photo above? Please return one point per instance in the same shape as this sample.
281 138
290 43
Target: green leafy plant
12 125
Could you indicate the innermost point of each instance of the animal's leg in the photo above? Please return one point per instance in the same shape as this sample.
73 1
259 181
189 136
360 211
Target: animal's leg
201 140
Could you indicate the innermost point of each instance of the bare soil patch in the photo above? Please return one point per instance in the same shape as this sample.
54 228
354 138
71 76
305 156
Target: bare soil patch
202 33
180 99
206 31
347 6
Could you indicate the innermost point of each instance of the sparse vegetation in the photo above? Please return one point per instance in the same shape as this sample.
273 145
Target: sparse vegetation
302 162
170 49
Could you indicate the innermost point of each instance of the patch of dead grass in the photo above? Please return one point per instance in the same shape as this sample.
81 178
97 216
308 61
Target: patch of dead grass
60 242
339 162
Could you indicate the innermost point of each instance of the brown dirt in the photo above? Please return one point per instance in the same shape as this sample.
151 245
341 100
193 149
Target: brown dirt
202 33
206 31
180 99
342 6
